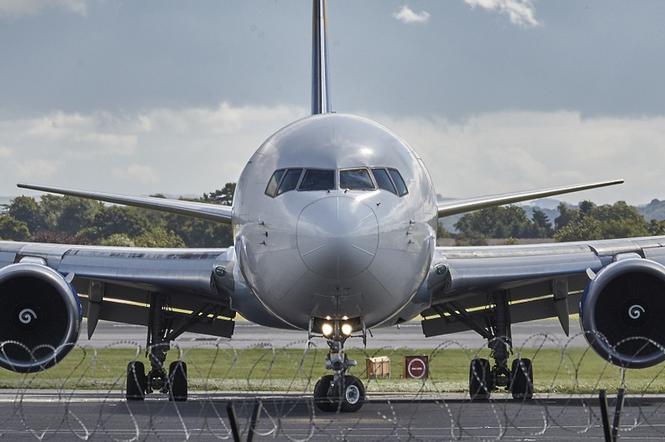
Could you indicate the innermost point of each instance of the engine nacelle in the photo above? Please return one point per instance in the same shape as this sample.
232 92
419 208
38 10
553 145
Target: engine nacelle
622 313
40 317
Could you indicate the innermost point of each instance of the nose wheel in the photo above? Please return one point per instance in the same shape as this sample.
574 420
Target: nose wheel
347 396
339 391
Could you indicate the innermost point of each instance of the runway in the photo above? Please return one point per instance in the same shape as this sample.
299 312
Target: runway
545 332
102 416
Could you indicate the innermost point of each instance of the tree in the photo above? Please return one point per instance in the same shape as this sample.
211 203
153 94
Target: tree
608 221
118 240
495 222
159 237
76 214
656 227
12 229
223 196
541 224
579 229
566 215
114 219
27 210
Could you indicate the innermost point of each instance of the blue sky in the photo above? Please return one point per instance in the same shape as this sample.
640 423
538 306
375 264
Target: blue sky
497 95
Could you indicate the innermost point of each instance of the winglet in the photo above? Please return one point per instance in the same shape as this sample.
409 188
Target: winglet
468 205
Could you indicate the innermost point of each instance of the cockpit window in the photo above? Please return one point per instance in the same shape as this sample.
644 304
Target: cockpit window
383 180
290 180
318 179
355 179
399 182
271 189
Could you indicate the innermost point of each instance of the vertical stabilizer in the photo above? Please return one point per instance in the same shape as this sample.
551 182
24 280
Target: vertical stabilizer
320 100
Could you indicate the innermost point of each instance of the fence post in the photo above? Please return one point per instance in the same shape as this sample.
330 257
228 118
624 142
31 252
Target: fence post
232 420
602 397
252 422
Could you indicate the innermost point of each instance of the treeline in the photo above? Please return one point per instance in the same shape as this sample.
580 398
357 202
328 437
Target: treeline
587 221
68 220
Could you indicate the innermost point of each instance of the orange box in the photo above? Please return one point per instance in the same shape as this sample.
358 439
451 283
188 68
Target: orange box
378 367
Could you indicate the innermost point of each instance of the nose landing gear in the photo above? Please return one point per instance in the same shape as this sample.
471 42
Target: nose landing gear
339 391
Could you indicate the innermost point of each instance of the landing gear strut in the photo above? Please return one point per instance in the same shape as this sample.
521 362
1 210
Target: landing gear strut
160 334
483 379
339 391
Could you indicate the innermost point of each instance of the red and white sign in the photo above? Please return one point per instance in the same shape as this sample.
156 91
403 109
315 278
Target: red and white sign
416 367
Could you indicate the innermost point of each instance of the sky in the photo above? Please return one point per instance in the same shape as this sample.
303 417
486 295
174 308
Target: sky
167 96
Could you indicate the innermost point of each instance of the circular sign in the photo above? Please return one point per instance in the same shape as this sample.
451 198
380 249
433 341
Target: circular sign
416 368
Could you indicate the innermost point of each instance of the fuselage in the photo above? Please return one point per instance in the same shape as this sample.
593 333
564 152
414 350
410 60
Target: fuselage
341 237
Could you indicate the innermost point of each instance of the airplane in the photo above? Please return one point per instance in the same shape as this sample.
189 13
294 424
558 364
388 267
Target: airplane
334 222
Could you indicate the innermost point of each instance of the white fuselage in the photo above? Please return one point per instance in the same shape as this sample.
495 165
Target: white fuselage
334 253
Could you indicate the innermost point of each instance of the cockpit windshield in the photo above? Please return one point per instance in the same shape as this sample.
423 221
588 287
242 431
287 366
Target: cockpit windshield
290 180
318 179
285 180
355 179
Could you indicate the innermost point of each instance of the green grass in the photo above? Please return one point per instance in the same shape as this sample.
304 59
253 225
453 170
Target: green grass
572 371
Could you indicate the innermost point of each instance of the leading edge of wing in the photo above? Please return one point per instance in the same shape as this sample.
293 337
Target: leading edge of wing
212 212
470 204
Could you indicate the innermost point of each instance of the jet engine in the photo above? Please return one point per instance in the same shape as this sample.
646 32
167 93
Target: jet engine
622 313
40 317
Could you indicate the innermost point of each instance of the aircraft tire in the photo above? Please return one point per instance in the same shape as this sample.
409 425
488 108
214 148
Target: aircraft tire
178 381
136 381
480 379
354 394
521 384
322 400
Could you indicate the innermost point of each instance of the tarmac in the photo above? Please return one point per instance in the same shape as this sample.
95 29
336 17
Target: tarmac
51 415
546 333
103 415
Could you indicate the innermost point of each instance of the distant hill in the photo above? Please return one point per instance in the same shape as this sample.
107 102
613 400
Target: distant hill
654 210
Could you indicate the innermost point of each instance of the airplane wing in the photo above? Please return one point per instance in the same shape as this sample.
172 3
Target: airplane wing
212 212
116 283
467 205
542 281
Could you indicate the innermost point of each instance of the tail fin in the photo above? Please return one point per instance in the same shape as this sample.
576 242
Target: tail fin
320 99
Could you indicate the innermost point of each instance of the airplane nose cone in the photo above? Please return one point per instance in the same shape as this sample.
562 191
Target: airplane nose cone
337 236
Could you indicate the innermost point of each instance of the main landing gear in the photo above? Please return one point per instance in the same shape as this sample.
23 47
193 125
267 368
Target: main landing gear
173 382
483 378
492 324
339 391
163 327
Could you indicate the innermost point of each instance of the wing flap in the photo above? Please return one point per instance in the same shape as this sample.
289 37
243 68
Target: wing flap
137 314
211 212
470 204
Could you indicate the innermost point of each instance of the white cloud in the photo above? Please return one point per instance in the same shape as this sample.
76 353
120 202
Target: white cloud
5 152
37 170
137 173
509 151
174 151
16 8
194 150
407 15
520 12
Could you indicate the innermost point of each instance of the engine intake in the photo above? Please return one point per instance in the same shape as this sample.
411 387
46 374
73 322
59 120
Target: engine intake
622 313
40 317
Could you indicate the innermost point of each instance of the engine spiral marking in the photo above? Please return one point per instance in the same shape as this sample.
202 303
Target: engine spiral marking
635 311
27 315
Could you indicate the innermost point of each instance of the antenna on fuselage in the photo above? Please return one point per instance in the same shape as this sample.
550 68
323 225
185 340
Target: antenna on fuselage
320 99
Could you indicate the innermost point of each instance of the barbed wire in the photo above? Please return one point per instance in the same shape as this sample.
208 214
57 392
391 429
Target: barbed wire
270 390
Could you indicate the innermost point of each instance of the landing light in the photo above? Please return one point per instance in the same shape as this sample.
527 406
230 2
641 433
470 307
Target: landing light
347 329
327 329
